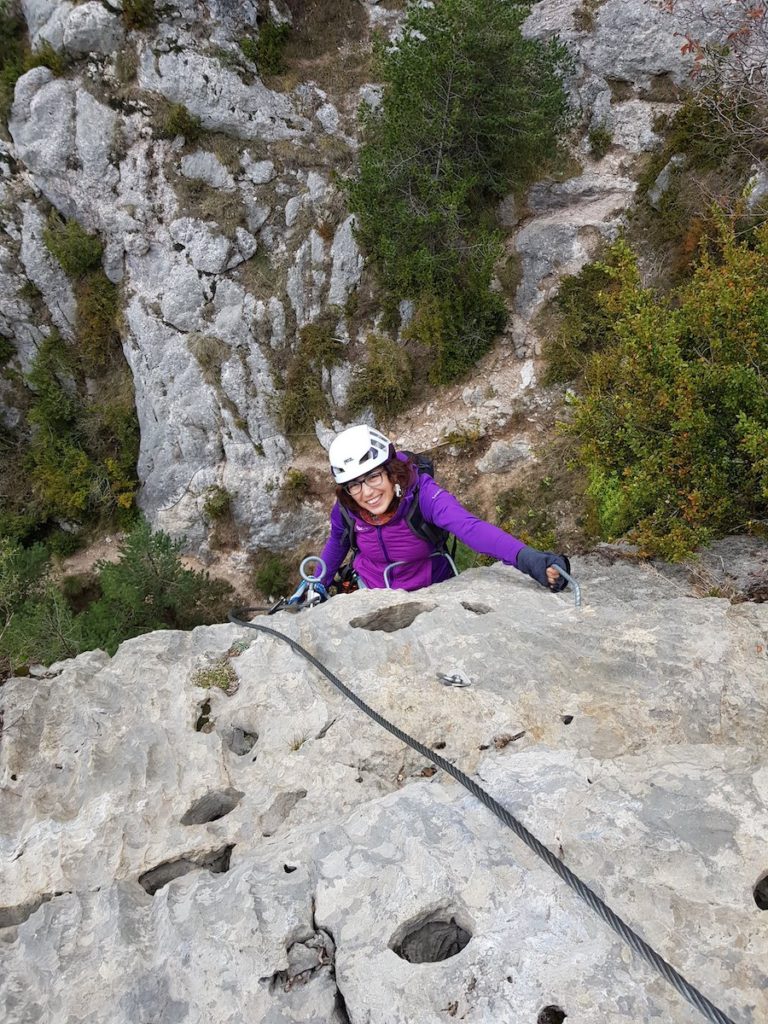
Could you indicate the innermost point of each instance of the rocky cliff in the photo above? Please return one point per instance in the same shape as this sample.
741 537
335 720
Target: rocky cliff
202 829
225 245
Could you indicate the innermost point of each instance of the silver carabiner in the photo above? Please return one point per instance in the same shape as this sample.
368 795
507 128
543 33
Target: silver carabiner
312 560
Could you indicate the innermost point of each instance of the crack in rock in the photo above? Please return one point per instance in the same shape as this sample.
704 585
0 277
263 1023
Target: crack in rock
217 862
10 917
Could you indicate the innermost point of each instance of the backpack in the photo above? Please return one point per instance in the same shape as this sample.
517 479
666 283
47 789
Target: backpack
418 525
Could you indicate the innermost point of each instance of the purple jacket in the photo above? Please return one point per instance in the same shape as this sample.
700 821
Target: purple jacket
379 546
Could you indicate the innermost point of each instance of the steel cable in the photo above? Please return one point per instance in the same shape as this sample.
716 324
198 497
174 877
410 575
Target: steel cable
623 930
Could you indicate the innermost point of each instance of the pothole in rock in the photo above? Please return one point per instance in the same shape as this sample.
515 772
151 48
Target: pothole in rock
430 940
389 620
241 742
279 810
212 806
760 893
216 862
551 1015
476 607
204 722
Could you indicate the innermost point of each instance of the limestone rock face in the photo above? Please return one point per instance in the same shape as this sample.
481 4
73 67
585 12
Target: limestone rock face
219 98
180 851
91 28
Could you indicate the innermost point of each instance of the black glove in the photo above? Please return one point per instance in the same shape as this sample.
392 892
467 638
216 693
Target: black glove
535 564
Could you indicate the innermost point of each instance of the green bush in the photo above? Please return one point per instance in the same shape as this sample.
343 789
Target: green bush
273 575
600 141
267 50
75 457
470 109
532 523
83 446
583 325
36 624
78 252
673 423
139 14
217 504
175 120
149 588
385 381
303 400
81 455
46 56
714 163
97 308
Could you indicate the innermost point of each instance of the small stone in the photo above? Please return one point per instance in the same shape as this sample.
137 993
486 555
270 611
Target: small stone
205 166
503 455
260 172
328 116
347 263
207 250
292 208
90 28
664 180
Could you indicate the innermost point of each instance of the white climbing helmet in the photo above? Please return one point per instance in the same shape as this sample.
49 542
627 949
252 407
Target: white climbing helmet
357 450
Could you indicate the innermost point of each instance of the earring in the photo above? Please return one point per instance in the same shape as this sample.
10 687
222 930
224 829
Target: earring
398 490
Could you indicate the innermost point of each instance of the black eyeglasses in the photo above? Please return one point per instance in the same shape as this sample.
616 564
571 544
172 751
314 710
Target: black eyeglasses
373 479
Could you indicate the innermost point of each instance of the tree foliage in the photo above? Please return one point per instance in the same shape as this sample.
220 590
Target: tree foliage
74 459
148 588
674 420
384 382
470 110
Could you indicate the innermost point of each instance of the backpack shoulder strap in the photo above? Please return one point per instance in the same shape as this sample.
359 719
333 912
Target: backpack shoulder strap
434 535
349 526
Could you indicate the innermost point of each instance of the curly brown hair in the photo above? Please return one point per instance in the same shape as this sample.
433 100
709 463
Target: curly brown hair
399 472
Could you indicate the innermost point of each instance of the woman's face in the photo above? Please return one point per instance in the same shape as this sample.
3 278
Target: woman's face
376 493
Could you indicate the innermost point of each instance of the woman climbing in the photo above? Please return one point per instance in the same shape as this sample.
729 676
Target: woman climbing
394 517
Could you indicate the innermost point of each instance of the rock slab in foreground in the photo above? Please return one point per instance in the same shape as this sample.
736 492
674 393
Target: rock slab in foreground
179 853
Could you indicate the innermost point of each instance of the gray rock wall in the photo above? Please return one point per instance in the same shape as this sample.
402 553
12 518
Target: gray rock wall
175 852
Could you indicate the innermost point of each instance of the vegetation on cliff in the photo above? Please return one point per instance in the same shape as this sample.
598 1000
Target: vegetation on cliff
470 110
148 588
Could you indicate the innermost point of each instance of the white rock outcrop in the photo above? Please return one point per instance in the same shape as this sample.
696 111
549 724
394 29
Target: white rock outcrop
180 852
219 98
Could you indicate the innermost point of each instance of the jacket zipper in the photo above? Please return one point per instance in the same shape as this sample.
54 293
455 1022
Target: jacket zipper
381 543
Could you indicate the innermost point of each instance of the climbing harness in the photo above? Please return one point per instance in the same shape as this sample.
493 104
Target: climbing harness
623 930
